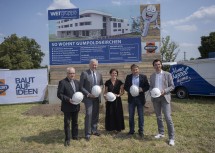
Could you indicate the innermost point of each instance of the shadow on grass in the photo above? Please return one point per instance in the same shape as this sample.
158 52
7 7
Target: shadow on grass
47 137
195 99
122 135
57 136
133 136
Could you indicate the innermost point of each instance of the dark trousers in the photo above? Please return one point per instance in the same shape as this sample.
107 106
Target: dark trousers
71 116
136 102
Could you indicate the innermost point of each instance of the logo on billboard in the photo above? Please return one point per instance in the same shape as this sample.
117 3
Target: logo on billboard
23 86
181 74
3 87
61 14
150 47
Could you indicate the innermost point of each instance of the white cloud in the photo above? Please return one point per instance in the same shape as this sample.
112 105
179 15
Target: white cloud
116 2
188 28
184 44
39 14
164 31
187 51
1 35
61 4
203 14
133 2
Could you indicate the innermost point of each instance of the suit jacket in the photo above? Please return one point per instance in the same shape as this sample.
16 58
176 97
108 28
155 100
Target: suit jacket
65 93
167 84
143 83
86 82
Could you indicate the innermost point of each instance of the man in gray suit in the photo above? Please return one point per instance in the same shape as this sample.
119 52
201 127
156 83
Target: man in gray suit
163 81
66 88
88 79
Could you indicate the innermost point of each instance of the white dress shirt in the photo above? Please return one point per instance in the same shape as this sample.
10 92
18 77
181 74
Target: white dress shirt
158 81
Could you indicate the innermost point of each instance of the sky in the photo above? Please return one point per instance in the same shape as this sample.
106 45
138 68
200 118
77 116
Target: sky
185 21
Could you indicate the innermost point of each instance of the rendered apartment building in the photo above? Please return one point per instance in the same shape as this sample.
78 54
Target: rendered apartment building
92 24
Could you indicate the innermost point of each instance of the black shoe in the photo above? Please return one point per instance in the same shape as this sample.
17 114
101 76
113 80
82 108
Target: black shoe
87 138
141 135
74 138
67 143
130 133
96 134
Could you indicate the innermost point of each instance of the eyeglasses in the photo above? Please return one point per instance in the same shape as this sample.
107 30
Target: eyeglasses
71 73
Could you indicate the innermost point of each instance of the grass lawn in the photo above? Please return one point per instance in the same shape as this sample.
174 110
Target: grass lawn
193 119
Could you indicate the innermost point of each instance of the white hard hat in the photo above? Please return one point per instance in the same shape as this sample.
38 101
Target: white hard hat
96 90
155 92
77 98
110 96
134 90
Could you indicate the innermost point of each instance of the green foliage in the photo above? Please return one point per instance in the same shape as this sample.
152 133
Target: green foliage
168 50
207 45
20 53
166 67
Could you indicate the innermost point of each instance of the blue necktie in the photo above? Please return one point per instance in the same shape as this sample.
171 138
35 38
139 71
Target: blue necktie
94 78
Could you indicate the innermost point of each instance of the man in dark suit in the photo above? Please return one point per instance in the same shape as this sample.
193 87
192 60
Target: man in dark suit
88 79
66 88
140 81
163 80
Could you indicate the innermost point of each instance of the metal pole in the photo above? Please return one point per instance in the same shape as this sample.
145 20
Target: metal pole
184 56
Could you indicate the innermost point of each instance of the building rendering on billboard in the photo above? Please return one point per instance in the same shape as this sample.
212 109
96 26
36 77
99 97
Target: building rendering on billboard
92 24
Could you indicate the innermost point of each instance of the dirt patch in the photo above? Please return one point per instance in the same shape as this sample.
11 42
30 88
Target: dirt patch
44 110
55 109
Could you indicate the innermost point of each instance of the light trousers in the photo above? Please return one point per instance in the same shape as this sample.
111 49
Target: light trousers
161 105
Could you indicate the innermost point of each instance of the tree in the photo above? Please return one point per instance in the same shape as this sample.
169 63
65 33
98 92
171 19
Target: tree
207 45
20 53
168 50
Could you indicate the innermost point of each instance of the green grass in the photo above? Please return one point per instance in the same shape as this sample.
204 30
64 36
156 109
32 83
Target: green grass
193 119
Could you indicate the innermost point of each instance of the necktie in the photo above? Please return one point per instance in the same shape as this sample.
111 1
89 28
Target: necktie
73 85
94 78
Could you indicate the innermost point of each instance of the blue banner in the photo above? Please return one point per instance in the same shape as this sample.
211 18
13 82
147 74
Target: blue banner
119 50
63 14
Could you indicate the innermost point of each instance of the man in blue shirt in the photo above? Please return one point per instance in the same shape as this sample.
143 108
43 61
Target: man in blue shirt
141 81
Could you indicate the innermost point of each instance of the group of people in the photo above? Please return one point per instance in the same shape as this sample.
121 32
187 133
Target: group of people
114 118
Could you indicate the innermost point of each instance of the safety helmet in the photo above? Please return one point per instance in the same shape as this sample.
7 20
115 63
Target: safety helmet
110 96
134 90
77 98
155 92
96 90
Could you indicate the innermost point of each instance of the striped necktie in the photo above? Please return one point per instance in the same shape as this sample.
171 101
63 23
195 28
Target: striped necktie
73 85
94 78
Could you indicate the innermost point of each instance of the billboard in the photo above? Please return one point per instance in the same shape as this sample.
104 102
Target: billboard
150 26
93 34
23 86
106 51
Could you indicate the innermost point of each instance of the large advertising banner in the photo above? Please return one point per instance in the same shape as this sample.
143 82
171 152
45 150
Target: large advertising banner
76 37
150 26
23 86
106 51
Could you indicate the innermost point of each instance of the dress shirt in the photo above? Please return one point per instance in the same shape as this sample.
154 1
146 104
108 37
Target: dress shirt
158 81
135 80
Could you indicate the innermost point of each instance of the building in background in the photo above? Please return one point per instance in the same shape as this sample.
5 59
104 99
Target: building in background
92 24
